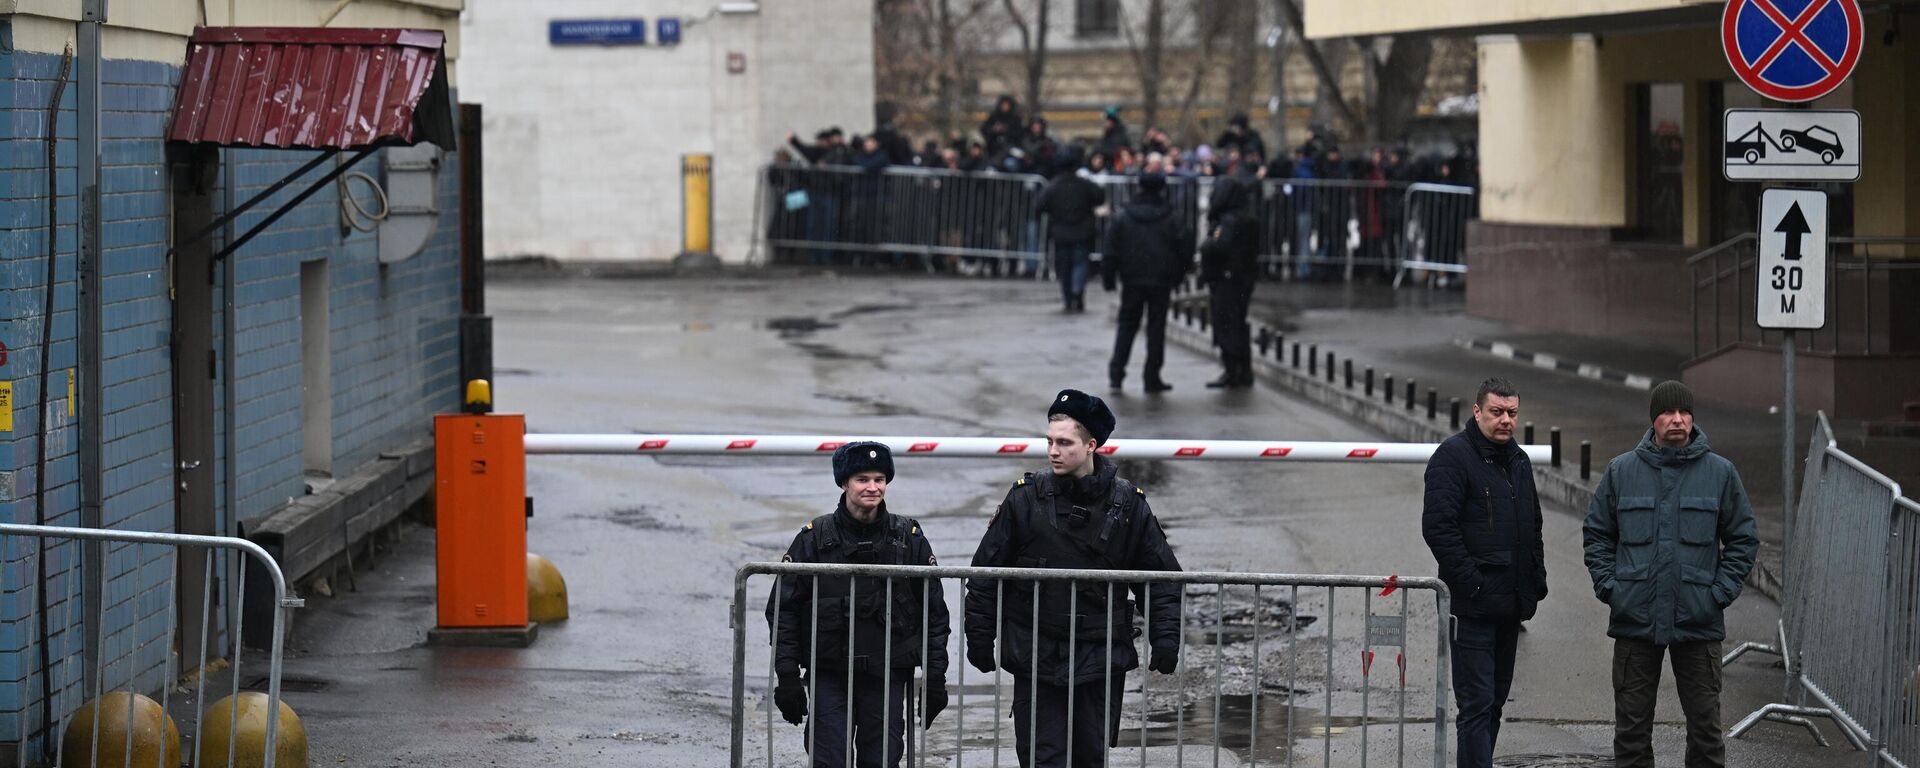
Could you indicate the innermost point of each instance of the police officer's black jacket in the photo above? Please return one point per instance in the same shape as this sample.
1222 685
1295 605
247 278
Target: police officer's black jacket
838 538
1231 252
1482 521
1100 521
1146 246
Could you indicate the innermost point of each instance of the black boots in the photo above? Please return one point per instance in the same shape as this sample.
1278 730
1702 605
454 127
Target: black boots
1238 374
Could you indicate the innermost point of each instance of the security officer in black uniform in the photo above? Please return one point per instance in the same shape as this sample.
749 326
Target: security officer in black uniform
1078 515
860 530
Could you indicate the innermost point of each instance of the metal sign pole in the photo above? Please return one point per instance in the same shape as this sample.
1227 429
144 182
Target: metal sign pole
1786 456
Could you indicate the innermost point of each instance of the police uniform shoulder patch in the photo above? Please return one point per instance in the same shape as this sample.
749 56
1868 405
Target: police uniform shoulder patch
787 558
931 560
916 530
1139 490
808 528
1019 482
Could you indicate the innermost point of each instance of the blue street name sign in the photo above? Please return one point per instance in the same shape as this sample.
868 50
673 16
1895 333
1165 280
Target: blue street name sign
597 32
667 31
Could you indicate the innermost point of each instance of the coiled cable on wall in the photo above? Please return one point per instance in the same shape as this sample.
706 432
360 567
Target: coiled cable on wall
352 213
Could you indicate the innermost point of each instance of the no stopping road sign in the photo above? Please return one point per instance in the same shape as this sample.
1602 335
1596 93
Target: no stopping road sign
1792 50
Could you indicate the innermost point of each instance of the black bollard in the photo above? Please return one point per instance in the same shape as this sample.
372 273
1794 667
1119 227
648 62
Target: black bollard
1280 347
1263 340
1387 386
1203 317
1313 360
1433 404
1296 355
1528 439
1369 381
1412 386
1553 440
1586 459
1329 367
1348 367
1453 405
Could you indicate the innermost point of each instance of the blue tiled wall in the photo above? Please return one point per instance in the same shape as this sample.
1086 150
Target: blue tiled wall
394 343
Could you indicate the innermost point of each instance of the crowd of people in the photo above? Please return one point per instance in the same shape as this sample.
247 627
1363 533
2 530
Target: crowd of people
1008 141
1328 209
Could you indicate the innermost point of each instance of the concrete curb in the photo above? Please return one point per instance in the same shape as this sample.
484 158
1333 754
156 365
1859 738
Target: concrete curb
1562 486
1592 371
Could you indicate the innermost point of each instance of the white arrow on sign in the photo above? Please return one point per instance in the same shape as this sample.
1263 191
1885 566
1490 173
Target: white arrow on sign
1793 259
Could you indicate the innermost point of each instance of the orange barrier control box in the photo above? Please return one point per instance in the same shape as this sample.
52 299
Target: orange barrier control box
480 477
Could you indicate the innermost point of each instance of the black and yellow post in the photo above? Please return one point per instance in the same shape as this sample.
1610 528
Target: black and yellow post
696 208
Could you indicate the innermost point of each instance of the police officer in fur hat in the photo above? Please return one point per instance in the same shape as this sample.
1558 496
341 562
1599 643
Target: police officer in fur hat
859 531
1079 514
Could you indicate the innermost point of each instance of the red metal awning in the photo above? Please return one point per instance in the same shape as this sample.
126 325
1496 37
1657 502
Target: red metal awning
313 88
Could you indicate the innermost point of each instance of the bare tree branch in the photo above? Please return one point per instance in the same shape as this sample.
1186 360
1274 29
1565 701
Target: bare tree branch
1328 78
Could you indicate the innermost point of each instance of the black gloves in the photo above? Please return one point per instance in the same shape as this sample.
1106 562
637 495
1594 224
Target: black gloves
936 700
790 696
980 655
1165 659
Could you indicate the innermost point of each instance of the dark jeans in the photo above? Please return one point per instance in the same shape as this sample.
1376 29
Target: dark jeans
831 706
1070 267
1483 651
1636 686
1227 301
1092 701
1135 300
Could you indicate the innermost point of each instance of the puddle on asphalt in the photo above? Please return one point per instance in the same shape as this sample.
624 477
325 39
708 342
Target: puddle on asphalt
1278 725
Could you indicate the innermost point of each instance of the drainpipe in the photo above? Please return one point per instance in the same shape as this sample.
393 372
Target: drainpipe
93 14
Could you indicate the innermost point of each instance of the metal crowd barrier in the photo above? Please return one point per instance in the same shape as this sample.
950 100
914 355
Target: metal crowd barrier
841 215
979 222
1434 229
1849 632
126 603
1325 662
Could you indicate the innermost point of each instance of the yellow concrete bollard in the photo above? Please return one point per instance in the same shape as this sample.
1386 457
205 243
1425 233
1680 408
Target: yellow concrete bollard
153 731
249 729
546 591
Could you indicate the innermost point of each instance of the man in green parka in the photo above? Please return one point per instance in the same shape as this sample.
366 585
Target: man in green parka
1669 541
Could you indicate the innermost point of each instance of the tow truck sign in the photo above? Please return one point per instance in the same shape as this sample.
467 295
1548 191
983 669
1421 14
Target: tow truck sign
1791 145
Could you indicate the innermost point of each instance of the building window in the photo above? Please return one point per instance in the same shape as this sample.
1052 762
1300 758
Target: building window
1096 18
1660 162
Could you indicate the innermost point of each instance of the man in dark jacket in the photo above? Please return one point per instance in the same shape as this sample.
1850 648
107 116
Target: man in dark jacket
865 680
1228 260
1002 126
1669 541
1147 252
1068 202
1482 521
1079 514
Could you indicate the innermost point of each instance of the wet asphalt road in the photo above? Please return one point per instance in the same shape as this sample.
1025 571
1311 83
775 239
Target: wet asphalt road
640 675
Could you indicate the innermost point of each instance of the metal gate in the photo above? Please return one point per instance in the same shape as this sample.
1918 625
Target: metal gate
1285 674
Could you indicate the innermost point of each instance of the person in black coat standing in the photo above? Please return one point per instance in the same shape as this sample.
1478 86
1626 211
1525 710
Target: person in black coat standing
1002 126
1147 252
1229 258
1482 522
864 678
1069 202
1078 515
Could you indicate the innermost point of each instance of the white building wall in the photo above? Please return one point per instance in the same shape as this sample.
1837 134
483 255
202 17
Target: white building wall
584 143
